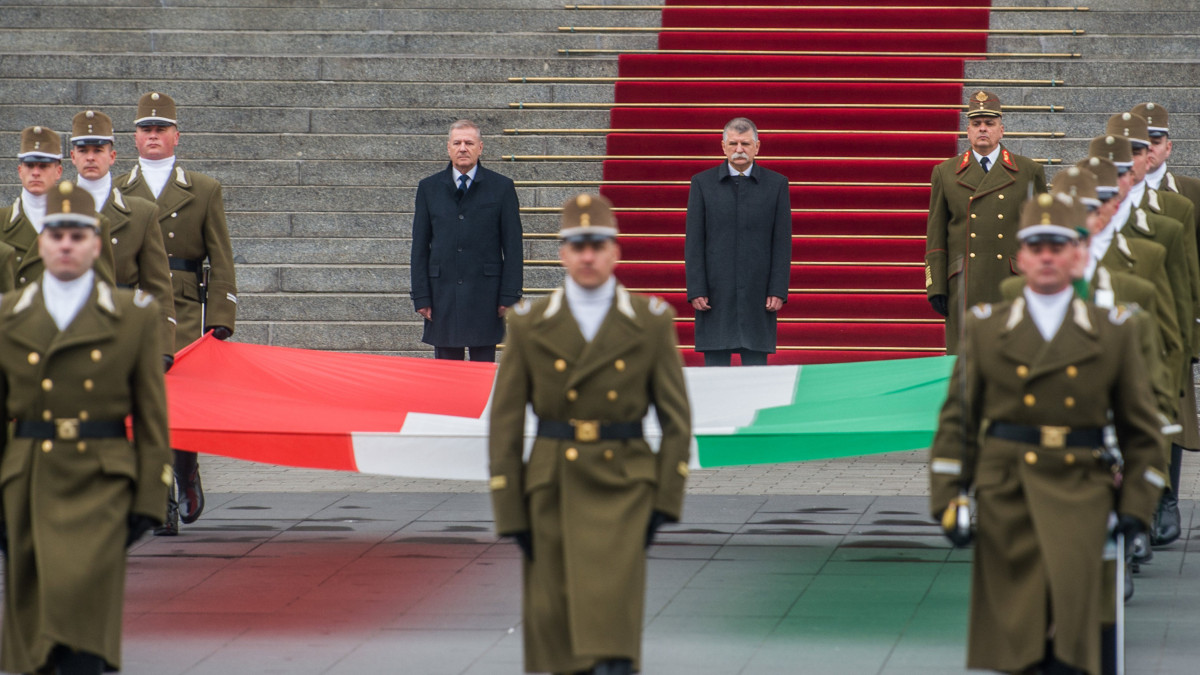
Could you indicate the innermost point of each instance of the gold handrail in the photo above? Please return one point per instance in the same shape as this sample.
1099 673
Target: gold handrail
776 158
542 105
581 131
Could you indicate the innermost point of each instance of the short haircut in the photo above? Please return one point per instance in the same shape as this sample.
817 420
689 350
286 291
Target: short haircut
466 124
739 125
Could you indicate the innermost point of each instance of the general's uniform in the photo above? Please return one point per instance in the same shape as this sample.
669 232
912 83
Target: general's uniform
191 216
970 236
1043 507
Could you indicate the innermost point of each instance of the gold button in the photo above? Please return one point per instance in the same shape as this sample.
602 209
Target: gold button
572 394
1072 371
47 415
1031 457
620 364
83 415
1069 401
1022 371
171 234
81 446
612 394
1000 236
1000 216
47 444
972 235
1030 400
1069 459
974 216
47 385
34 358
608 455
88 385
572 454
175 215
1001 196
560 365
22 278
999 256
972 255
96 354
114 241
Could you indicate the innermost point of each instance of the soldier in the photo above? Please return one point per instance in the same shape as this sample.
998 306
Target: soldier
140 259
77 357
1167 526
40 168
591 358
1045 371
970 236
191 215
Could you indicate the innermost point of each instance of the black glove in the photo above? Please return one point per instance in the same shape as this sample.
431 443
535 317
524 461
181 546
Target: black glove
138 525
1130 526
657 518
168 361
3 538
524 540
940 304
221 332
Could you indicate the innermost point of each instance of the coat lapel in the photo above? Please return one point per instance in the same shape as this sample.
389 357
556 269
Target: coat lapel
1075 341
30 325
94 323
556 330
117 212
176 193
616 336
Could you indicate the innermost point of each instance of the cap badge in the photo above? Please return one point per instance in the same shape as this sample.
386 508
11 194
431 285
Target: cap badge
1126 116
585 220
981 97
154 96
90 114
37 130
583 201
66 187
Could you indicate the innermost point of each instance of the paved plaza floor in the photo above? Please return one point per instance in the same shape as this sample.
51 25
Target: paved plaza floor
294 571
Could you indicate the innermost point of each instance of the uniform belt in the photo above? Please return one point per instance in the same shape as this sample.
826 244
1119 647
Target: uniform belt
1048 437
184 265
586 431
70 429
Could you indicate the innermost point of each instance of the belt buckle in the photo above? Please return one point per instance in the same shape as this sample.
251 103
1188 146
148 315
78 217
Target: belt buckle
66 428
586 431
1055 437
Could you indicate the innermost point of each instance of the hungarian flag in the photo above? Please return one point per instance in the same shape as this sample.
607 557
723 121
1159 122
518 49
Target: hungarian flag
425 418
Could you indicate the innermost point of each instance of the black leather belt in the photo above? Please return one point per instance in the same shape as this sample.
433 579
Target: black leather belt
70 429
1048 437
586 431
192 266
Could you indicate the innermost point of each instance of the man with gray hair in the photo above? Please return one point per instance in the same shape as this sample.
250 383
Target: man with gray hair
467 259
738 251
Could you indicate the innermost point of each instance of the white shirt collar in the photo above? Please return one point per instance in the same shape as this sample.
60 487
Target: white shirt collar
589 306
156 172
992 157
34 207
64 299
735 172
470 174
1135 196
1048 311
99 189
1155 177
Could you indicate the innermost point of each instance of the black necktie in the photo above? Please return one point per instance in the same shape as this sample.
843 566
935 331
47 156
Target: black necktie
984 163
462 187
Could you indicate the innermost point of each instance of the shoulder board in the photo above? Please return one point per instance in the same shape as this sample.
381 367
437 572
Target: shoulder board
982 310
1171 184
966 159
522 308
658 306
1007 160
1119 315
1152 197
1141 222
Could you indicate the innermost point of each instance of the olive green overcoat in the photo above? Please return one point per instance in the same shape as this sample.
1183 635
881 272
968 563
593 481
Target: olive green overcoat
17 231
1043 510
970 236
587 504
191 215
66 503
1188 187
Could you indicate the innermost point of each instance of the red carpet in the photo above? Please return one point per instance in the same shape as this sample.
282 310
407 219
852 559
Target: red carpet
857 134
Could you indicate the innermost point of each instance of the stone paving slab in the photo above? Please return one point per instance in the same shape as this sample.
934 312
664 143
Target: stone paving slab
415 582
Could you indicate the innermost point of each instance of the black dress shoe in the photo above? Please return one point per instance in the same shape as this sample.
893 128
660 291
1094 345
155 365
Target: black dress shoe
191 496
614 667
170 528
1166 521
1128 581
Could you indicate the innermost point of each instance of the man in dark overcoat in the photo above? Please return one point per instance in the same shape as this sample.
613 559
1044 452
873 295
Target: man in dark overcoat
738 251
591 358
467 257
77 358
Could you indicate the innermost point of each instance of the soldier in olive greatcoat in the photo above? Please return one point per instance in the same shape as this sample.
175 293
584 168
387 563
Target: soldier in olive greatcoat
1035 383
591 358
77 358
970 237
139 256
191 215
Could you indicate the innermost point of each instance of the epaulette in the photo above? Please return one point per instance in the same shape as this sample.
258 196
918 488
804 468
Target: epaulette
1119 314
982 311
658 306
142 299
522 308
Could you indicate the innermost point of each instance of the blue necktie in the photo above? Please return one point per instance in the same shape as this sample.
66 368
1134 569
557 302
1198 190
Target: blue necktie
984 163
462 187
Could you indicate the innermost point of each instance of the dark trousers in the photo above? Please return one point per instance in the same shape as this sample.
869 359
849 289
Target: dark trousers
724 357
483 354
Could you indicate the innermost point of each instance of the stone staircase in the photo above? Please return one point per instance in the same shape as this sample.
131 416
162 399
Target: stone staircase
320 117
